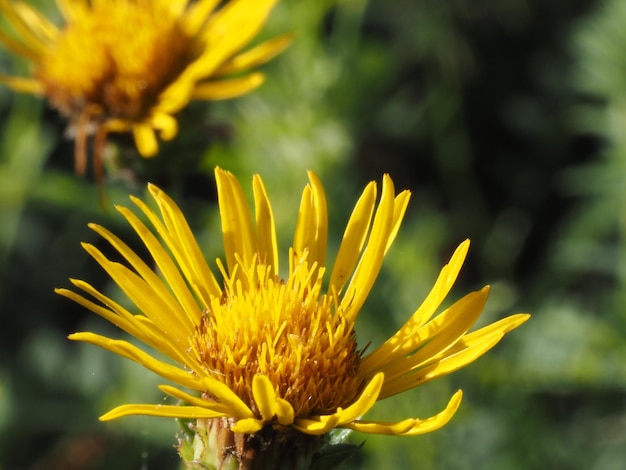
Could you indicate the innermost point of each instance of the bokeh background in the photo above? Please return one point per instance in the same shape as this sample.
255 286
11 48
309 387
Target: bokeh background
506 120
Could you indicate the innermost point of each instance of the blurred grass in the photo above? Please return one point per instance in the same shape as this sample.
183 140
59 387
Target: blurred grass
505 119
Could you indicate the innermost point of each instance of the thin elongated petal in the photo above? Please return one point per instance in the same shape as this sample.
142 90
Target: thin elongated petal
123 319
410 427
255 56
497 329
181 241
353 239
167 371
199 13
145 140
368 398
437 336
265 226
194 400
228 30
269 403
23 28
227 89
248 426
178 7
41 27
379 357
324 423
399 208
25 85
237 230
443 366
371 260
19 49
264 396
316 427
135 354
184 301
163 411
312 227
156 307
71 9
178 94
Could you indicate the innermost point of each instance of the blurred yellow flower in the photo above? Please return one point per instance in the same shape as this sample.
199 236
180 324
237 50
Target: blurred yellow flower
265 350
130 65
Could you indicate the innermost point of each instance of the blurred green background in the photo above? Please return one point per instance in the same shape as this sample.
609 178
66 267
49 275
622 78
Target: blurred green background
506 120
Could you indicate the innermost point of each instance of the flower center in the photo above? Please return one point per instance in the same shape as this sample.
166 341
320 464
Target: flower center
115 58
285 330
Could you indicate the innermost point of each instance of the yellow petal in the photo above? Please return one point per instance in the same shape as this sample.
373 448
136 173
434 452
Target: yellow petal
198 14
22 27
123 321
18 48
312 226
445 281
353 239
226 89
255 56
42 27
264 396
24 85
183 303
118 125
178 94
194 400
440 367
145 140
155 305
239 237
71 9
164 411
129 351
436 337
265 227
317 427
166 124
366 400
399 208
270 405
497 329
138 326
410 427
322 424
248 425
221 392
179 238
229 29
372 257
177 7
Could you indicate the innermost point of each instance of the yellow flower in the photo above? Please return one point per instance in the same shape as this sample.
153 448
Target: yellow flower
130 65
266 350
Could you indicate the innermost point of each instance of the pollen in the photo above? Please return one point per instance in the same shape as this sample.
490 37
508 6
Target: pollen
285 330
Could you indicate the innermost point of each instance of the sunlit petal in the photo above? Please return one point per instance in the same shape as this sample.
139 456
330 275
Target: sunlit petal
164 411
410 427
226 89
